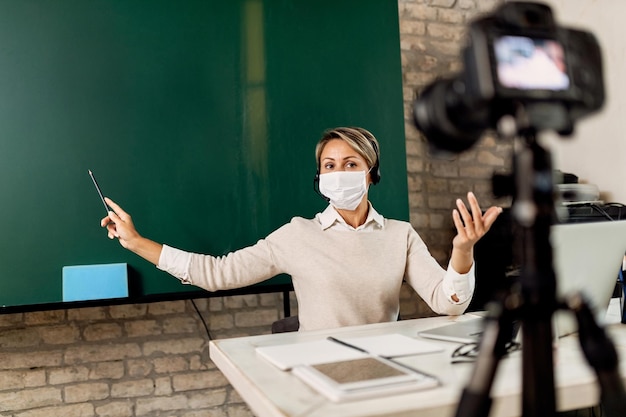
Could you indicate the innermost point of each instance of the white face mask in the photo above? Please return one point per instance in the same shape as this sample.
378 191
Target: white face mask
345 189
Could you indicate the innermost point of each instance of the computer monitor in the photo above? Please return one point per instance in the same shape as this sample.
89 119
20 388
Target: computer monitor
587 258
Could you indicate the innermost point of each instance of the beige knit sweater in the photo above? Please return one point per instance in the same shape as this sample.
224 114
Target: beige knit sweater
340 278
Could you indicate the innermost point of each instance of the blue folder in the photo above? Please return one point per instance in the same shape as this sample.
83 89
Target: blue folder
95 282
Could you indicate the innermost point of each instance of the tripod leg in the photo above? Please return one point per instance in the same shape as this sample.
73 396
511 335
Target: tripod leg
475 399
602 356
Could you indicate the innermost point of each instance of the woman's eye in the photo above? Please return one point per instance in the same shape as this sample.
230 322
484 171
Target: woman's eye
329 166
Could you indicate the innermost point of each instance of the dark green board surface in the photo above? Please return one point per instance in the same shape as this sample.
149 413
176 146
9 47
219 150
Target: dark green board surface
198 117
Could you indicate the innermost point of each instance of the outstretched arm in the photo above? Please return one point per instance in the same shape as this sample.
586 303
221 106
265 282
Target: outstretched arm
120 225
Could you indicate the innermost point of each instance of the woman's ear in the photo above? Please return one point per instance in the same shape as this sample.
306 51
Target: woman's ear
368 177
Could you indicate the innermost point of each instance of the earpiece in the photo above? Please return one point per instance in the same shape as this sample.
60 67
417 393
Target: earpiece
316 186
375 172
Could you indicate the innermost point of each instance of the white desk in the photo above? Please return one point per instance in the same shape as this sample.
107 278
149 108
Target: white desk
270 392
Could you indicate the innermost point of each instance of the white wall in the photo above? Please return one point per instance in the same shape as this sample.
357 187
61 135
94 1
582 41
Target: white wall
597 151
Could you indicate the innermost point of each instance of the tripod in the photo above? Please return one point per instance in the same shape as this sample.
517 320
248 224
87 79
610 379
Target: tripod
534 301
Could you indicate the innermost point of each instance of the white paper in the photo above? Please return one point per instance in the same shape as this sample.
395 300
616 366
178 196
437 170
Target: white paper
307 353
315 352
393 345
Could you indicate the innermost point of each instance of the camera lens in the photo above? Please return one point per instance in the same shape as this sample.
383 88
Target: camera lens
441 114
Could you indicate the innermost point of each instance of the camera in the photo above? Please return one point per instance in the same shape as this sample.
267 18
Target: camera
517 62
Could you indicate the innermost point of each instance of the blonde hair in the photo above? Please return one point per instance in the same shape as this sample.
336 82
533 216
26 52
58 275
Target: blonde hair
359 139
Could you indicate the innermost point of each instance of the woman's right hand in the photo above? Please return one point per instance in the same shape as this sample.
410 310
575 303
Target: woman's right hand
120 225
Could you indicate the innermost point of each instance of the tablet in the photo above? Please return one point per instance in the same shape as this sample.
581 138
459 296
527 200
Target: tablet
363 378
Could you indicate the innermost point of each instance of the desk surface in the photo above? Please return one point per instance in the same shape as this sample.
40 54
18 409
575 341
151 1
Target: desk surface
270 392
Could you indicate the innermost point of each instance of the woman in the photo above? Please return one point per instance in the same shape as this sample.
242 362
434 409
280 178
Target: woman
347 264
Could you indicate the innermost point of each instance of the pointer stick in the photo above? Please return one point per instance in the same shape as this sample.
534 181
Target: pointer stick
99 192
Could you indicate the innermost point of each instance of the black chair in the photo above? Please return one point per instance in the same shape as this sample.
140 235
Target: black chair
288 324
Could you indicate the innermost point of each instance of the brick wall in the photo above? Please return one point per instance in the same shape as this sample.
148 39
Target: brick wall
152 359
432 34
431 37
128 360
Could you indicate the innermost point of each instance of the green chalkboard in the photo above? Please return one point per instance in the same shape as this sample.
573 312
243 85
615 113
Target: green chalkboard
199 117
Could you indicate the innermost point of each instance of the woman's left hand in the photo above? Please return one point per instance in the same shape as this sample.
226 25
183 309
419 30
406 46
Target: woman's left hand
472 226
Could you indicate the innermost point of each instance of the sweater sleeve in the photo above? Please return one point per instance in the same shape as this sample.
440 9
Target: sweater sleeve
433 283
460 284
237 269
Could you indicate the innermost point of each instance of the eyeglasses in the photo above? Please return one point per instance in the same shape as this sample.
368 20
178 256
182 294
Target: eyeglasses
468 352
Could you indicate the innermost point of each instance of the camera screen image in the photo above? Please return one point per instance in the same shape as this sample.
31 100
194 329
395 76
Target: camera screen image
526 63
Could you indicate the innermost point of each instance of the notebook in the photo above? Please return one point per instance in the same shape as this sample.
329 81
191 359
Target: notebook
586 258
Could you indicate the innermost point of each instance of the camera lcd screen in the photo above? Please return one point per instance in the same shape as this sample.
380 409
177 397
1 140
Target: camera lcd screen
526 63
